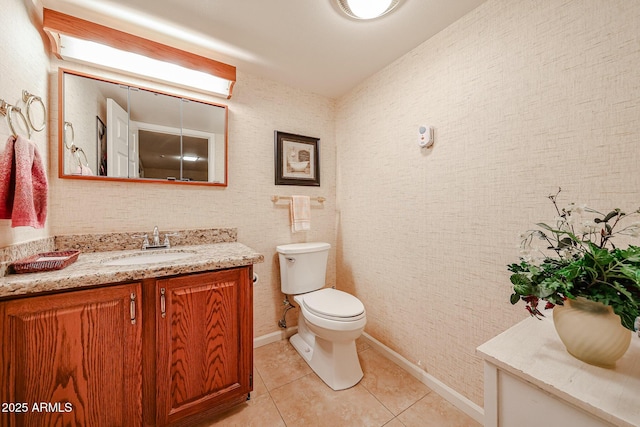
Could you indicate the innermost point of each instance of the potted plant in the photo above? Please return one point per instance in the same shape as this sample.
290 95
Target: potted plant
578 268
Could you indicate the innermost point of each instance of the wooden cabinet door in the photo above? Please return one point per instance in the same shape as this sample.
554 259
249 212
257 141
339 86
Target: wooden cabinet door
204 338
72 359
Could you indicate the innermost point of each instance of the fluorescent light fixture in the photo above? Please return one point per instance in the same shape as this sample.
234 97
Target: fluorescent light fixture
107 56
84 41
367 9
190 158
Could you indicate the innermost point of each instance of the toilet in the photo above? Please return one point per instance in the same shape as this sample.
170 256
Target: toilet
329 320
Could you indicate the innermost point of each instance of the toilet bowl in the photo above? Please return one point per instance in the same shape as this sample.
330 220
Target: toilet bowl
329 320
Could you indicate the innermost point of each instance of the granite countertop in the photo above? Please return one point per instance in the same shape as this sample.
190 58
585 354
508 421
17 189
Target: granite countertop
90 270
533 352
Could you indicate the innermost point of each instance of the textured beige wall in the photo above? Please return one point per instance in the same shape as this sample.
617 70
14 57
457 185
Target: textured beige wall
23 66
525 97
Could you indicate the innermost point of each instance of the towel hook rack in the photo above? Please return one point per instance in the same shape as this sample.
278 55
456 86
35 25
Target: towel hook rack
6 109
29 98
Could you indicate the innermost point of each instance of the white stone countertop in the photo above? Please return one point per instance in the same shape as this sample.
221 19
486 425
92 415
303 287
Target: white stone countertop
533 352
90 270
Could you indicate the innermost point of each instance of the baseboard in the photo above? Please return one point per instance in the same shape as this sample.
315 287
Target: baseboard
274 336
456 399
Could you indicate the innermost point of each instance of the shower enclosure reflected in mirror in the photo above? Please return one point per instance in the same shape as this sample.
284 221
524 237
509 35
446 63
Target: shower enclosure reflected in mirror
115 131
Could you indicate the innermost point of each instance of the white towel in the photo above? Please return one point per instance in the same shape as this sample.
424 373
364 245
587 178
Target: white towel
300 213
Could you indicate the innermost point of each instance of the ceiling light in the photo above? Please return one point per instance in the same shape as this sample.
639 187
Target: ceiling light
72 48
190 158
367 9
83 41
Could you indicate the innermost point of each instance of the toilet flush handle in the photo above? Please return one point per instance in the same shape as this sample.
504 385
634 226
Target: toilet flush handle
290 259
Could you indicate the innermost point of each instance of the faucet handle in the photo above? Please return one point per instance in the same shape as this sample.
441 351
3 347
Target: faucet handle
145 242
166 238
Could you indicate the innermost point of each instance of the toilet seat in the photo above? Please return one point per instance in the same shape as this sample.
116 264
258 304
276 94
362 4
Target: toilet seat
332 304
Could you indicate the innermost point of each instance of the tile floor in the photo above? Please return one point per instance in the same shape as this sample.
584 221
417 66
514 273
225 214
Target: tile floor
288 393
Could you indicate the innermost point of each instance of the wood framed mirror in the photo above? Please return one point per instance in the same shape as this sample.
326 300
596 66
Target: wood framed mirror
112 130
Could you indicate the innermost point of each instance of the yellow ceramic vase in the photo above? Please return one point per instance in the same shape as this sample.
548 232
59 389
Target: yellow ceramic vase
591 331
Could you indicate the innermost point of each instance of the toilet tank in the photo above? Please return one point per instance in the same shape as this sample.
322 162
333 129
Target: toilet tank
303 267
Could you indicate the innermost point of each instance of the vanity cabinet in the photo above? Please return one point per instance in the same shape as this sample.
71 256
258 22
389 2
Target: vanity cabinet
72 358
204 342
165 351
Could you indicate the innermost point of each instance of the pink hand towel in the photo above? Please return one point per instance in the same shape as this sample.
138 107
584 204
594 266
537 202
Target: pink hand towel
23 184
300 213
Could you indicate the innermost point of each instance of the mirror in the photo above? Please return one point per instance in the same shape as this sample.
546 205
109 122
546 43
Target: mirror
111 130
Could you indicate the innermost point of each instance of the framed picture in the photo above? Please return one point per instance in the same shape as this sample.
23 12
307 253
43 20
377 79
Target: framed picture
101 139
297 159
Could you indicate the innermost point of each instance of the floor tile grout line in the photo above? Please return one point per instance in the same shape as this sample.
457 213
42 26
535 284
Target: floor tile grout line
270 395
280 386
378 400
412 405
292 381
277 408
381 403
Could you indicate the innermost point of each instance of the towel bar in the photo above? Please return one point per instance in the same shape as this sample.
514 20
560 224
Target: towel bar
274 199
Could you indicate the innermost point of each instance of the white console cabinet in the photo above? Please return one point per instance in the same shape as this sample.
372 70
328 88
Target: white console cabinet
530 381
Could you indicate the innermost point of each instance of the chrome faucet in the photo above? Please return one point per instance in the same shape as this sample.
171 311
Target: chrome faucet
155 243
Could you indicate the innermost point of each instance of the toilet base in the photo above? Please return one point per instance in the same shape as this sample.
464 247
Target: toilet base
336 363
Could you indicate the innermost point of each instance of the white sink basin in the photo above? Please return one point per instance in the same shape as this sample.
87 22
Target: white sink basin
148 258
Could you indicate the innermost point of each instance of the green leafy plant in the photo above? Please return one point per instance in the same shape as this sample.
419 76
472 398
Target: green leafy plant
577 257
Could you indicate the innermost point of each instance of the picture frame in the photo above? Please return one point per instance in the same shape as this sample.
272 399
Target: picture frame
101 140
297 159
